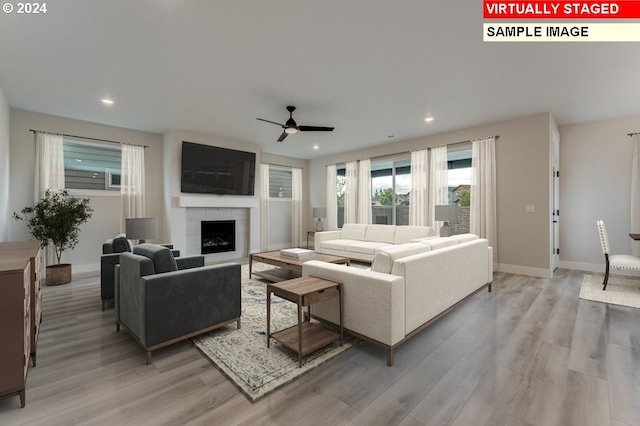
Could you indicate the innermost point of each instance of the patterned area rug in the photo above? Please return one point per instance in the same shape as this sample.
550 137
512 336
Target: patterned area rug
242 355
620 291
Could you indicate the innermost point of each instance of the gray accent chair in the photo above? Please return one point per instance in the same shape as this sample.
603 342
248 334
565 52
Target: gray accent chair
111 250
161 300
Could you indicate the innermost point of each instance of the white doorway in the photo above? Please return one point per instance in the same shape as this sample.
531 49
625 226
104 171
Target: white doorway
555 202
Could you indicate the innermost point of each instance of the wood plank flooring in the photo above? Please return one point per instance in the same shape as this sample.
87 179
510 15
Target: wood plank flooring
529 353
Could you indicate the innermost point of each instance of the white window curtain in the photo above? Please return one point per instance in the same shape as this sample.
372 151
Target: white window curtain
49 175
364 192
438 183
132 183
49 164
483 191
332 198
296 206
635 194
419 201
351 193
264 207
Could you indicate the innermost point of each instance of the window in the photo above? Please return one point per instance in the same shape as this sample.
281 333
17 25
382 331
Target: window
390 191
459 165
92 166
391 188
280 179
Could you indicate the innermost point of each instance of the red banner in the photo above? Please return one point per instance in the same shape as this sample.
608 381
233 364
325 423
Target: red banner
628 9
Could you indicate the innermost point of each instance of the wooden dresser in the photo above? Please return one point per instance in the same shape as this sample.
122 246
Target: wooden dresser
20 313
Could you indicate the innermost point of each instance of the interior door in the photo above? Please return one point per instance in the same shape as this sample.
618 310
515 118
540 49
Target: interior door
555 213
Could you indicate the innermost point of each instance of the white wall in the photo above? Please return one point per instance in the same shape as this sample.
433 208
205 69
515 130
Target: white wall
105 222
5 212
595 183
522 156
176 203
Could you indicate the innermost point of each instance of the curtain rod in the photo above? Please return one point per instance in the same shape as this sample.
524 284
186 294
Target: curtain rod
496 137
420 149
633 134
86 138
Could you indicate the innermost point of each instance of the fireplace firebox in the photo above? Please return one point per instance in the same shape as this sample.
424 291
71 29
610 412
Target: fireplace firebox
217 236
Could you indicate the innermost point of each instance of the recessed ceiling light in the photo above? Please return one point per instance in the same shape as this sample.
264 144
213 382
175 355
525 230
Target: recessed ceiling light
428 119
107 101
316 147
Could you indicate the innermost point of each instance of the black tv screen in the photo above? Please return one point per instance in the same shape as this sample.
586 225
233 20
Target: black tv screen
210 169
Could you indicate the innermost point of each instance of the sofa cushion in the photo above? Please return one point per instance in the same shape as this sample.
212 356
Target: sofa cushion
384 257
463 238
121 244
336 244
381 233
366 247
438 243
162 258
353 231
405 234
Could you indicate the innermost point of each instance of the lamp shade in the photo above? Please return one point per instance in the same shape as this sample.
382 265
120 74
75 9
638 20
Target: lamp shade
319 212
141 228
446 213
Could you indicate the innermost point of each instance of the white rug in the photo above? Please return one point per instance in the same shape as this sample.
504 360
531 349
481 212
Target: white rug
620 291
242 355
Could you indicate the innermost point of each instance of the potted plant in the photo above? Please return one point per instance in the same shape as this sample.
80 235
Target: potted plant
55 220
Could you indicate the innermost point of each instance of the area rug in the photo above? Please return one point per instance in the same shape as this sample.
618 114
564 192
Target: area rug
620 291
242 355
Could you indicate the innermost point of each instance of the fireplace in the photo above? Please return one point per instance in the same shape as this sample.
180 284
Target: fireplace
217 236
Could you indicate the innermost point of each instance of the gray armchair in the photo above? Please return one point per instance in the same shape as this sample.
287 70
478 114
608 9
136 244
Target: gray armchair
111 250
159 303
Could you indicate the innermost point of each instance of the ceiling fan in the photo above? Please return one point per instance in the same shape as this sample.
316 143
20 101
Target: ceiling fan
290 127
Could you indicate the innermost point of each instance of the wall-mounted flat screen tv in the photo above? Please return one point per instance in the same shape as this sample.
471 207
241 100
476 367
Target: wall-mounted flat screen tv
210 169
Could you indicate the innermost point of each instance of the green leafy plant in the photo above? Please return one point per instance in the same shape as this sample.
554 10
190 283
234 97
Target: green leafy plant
56 219
464 197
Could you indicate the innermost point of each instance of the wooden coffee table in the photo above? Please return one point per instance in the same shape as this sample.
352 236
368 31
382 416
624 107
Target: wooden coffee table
305 337
289 268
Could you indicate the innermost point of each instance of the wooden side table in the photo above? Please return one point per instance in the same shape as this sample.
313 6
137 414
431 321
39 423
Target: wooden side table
311 233
305 337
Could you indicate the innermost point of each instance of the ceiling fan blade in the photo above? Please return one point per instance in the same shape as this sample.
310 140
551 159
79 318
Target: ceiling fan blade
282 136
315 129
272 122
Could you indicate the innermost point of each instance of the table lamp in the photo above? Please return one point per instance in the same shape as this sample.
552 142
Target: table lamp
319 212
446 213
141 228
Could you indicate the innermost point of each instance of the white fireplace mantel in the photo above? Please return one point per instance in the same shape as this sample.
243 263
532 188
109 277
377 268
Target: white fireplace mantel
223 201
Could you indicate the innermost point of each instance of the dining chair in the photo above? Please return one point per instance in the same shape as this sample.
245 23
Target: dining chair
617 261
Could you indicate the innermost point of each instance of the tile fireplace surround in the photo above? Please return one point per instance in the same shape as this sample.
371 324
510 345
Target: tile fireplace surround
191 210
195 215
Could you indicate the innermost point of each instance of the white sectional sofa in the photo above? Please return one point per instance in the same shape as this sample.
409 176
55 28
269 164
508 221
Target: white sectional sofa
407 287
359 241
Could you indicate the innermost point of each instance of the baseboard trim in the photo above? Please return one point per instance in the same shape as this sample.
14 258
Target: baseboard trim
582 266
524 270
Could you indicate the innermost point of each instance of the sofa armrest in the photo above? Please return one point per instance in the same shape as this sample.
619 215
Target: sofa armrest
438 279
180 302
319 237
188 262
374 303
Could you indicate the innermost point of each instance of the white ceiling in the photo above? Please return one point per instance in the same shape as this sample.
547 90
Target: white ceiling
371 68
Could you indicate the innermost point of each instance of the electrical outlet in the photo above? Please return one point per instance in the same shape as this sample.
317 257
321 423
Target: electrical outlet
529 208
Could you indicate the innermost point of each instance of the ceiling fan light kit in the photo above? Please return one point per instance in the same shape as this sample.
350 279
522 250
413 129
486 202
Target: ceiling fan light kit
291 127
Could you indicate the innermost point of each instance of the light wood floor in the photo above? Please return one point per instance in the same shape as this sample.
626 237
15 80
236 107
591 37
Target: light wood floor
529 353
